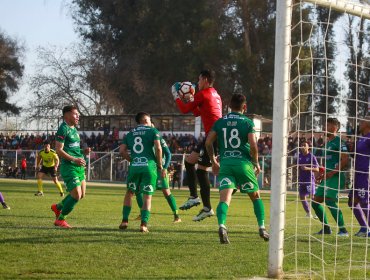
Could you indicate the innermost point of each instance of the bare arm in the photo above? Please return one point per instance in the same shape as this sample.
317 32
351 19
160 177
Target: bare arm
211 138
254 151
56 162
61 153
124 152
158 153
38 160
342 165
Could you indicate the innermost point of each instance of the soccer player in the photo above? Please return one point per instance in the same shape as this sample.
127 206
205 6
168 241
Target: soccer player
208 105
145 158
359 196
23 167
336 159
50 163
163 184
307 164
72 166
3 203
238 163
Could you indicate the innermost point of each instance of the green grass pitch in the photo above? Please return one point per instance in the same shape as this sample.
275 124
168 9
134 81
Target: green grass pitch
32 248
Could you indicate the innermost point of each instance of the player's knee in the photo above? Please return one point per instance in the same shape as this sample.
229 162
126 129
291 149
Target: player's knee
254 196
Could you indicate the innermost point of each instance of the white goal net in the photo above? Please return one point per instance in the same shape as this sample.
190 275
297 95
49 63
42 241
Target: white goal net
322 72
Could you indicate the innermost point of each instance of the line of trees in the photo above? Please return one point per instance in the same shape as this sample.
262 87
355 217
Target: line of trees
132 51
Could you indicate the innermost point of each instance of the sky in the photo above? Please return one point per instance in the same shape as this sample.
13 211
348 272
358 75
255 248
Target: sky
36 23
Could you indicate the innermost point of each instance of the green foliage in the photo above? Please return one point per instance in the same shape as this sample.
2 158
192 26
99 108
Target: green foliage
154 43
11 71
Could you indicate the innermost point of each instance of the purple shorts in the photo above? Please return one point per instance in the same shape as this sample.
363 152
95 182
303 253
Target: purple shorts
361 188
306 189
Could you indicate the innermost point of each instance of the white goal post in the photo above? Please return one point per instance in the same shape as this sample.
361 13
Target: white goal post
281 119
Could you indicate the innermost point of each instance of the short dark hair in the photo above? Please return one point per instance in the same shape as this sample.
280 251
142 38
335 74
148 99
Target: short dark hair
237 101
333 121
209 74
46 142
139 117
69 108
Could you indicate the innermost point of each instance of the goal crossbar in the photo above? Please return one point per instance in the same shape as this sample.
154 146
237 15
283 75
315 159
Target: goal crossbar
353 8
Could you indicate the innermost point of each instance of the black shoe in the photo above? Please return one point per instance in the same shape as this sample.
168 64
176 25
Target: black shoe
264 234
222 233
325 230
5 206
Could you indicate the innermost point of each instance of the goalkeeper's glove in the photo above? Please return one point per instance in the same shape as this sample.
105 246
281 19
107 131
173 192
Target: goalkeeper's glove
174 89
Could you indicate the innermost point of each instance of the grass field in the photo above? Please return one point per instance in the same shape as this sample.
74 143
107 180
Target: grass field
31 247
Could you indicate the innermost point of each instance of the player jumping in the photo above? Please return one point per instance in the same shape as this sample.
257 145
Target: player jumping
208 105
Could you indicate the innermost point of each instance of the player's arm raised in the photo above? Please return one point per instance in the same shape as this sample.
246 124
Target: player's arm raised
254 152
211 138
123 150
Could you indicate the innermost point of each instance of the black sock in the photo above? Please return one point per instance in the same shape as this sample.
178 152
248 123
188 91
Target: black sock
191 176
205 187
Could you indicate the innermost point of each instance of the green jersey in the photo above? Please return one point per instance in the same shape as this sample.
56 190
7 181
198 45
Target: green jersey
71 140
140 142
232 136
332 156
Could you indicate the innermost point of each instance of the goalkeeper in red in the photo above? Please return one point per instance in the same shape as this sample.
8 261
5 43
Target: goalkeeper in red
208 105
238 163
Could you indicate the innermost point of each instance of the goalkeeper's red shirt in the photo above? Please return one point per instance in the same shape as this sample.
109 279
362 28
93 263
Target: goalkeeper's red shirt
207 104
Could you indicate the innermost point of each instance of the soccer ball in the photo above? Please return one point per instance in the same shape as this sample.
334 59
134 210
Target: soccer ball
186 90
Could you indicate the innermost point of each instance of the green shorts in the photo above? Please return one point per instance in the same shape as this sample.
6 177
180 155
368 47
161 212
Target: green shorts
242 175
162 183
72 176
330 187
142 180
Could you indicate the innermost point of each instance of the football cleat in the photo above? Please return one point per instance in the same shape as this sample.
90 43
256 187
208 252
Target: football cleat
176 219
39 194
62 224
5 206
144 228
363 232
191 202
123 225
222 233
308 215
325 230
343 233
56 211
202 215
264 234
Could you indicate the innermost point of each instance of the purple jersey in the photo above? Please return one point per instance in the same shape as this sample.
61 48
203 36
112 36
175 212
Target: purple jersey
308 160
362 162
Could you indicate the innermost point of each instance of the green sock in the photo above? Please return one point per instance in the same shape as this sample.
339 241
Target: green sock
60 204
126 212
320 212
145 214
172 203
259 211
335 212
221 211
139 200
68 204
